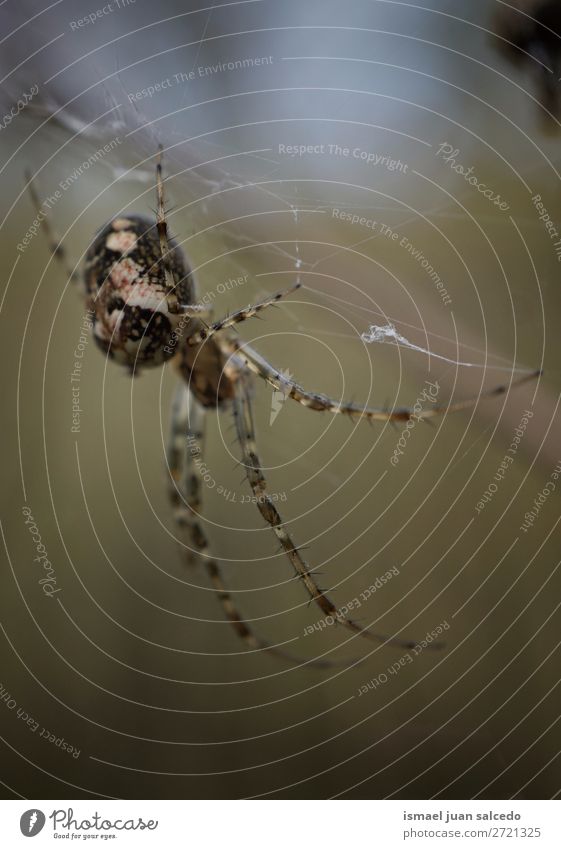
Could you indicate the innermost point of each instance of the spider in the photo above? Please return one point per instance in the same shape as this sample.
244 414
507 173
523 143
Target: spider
143 297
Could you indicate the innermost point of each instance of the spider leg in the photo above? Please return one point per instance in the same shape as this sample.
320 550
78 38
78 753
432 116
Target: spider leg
315 401
246 435
185 444
184 482
240 315
53 241
171 284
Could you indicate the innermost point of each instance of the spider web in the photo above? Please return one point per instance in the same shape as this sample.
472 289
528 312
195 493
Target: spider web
220 163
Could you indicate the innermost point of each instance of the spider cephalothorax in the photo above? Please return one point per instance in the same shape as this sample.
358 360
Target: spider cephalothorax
135 313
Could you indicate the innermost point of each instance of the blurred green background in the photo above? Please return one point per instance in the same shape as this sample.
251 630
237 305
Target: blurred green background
131 661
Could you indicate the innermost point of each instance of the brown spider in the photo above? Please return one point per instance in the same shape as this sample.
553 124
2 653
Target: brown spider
143 296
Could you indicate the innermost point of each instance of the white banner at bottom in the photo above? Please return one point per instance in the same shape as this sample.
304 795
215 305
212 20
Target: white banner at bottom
283 824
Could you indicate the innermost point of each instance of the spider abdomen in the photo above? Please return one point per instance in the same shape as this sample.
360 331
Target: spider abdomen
126 288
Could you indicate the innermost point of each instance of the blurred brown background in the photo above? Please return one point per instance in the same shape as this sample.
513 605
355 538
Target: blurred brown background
130 662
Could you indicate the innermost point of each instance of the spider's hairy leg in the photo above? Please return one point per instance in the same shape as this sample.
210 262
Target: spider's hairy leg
184 482
171 284
267 508
316 401
185 494
241 315
185 444
53 241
